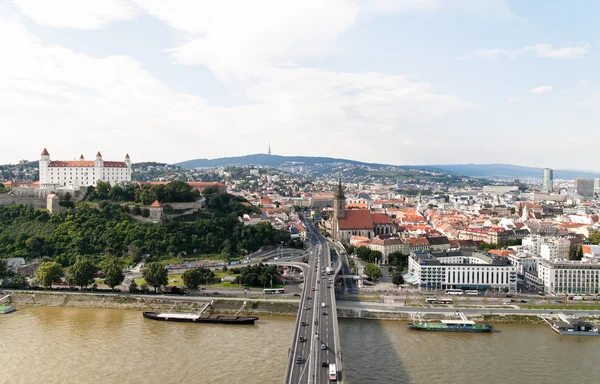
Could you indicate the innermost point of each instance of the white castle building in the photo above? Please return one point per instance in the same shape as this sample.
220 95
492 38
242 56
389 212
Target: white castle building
82 173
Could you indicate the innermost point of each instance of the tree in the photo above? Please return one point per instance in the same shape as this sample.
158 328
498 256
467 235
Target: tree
397 279
373 272
192 278
82 272
155 275
575 252
48 273
350 249
113 273
3 269
398 259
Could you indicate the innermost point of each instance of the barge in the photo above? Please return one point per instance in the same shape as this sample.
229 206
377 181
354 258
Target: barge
462 325
201 317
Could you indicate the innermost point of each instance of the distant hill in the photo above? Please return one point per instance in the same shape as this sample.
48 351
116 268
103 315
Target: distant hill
471 170
511 171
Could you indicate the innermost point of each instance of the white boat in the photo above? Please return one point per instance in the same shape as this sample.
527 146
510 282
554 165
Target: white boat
4 309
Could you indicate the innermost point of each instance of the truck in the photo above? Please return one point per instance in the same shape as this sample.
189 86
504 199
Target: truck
328 270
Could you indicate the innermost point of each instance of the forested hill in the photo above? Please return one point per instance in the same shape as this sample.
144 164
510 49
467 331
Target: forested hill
104 229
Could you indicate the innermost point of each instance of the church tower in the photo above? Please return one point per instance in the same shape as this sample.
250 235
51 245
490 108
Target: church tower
339 209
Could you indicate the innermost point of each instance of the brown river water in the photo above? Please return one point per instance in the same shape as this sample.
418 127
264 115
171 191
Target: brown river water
64 345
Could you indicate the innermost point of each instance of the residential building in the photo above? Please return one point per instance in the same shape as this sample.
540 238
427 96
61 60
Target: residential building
387 246
585 188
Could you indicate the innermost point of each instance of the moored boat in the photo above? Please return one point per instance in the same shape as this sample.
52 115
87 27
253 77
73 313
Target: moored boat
451 326
4 309
200 318
571 325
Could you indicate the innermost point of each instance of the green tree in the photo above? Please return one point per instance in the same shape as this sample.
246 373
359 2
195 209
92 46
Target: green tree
113 273
397 279
575 252
350 249
82 272
48 273
3 269
373 272
155 275
192 278
594 238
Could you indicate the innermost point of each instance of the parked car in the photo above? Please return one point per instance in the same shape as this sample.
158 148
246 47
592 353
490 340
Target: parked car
296 294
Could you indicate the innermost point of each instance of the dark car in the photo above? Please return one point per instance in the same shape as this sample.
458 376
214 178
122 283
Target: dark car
299 360
296 294
303 324
325 364
523 301
301 339
324 312
306 308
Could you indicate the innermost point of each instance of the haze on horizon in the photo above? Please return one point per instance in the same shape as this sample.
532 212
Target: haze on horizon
398 82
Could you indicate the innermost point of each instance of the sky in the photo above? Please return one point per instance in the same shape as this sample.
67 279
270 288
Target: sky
387 81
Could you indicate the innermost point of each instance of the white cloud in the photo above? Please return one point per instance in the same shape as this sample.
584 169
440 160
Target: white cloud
541 89
393 6
70 103
540 50
79 14
257 36
516 99
547 51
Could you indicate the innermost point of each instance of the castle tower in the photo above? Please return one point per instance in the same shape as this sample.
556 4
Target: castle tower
339 208
43 167
98 167
52 203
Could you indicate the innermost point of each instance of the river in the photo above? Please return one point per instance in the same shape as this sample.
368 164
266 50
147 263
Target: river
65 345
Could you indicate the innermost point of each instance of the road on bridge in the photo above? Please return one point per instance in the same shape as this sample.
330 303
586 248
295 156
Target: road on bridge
315 343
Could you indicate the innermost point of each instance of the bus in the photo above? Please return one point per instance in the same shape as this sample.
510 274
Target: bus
435 300
332 372
270 291
472 292
455 292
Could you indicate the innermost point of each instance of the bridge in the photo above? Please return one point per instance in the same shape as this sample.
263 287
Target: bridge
316 340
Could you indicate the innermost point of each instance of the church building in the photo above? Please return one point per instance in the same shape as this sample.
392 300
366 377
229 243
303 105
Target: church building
356 222
82 173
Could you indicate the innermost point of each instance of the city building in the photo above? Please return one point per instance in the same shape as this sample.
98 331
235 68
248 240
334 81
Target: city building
387 246
569 277
585 188
82 173
461 270
547 181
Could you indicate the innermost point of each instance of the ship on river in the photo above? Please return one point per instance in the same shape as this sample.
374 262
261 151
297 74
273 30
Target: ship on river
571 325
462 325
4 309
201 317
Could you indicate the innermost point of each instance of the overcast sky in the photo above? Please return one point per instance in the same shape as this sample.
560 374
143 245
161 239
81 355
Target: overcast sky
392 81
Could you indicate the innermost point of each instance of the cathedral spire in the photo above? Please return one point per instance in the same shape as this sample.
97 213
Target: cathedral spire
340 189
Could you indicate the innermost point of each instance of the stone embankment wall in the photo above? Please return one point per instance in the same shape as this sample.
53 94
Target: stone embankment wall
149 303
11 199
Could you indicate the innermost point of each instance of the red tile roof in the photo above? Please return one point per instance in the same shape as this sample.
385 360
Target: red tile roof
156 204
380 218
45 152
73 163
356 219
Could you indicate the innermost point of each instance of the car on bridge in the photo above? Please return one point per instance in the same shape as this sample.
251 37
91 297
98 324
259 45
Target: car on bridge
307 308
323 347
299 360
303 324
324 312
301 339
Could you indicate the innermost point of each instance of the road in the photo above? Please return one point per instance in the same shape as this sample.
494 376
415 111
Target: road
506 311
315 342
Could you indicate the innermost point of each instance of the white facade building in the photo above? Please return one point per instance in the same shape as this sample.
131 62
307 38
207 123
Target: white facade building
569 277
462 270
82 173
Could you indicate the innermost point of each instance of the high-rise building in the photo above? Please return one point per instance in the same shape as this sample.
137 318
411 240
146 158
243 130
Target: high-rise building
547 181
585 188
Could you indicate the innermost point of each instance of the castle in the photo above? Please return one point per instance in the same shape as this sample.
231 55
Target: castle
82 173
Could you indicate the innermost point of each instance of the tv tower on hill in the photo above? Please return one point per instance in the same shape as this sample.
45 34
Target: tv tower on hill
269 147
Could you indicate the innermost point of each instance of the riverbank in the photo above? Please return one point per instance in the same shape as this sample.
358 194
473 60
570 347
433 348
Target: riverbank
152 303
